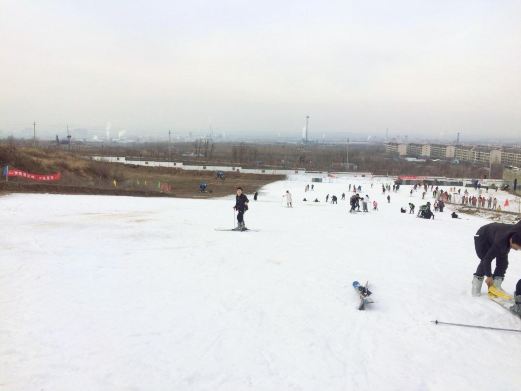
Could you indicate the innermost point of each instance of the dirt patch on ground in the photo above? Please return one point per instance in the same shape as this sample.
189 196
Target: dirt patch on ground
80 175
499 216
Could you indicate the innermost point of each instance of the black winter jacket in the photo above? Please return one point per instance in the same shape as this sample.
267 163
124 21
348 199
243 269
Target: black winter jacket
494 241
241 203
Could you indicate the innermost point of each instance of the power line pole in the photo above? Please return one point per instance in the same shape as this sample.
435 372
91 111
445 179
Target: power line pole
34 133
347 154
170 145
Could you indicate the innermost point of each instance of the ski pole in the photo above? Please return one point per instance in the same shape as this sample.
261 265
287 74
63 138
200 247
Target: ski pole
474 326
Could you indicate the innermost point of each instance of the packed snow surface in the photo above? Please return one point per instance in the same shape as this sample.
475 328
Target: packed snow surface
117 293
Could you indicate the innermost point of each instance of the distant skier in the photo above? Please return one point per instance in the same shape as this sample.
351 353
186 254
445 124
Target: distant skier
354 201
411 208
343 196
388 199
425 211
494 240
289 199
334 200
255 196
364 204
241 206
375 205
327 198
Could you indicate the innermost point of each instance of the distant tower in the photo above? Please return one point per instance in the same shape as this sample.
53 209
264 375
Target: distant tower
306 131
69 136
457 139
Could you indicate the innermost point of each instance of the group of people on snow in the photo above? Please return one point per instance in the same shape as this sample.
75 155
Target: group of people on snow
491 241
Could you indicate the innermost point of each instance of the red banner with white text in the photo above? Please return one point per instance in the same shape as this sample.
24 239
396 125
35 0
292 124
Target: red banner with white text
14 172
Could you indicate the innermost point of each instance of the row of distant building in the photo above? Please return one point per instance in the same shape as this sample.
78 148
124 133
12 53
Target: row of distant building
467 153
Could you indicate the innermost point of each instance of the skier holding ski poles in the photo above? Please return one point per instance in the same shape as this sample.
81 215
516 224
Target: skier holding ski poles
495 240
241 206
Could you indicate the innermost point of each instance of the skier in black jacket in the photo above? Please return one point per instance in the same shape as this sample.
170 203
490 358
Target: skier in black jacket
495 240
241 206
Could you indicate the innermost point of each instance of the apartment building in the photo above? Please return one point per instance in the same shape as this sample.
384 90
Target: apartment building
467 153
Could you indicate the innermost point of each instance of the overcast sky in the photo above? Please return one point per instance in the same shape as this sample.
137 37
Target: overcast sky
420 67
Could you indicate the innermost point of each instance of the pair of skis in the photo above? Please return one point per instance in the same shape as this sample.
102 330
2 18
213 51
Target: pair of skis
236 230
502 298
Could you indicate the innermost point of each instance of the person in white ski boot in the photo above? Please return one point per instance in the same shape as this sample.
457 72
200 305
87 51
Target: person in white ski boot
241 206
516 308
494 240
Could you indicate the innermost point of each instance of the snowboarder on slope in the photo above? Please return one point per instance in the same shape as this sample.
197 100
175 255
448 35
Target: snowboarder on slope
241 206
494 240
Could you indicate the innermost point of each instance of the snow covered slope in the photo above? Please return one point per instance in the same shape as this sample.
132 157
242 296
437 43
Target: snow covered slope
116 293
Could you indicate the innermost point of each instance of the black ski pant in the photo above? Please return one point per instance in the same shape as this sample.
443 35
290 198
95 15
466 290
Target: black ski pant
501 261
240 216
518 288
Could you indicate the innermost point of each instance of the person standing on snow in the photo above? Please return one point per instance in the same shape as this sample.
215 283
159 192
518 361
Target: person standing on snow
388 199
495 240
353 201
289 199
411 208
365 200
241 206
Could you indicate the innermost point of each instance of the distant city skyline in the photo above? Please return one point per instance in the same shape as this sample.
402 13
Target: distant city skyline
423 69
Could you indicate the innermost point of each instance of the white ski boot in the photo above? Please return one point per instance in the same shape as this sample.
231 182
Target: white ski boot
516 308
477 283
498 281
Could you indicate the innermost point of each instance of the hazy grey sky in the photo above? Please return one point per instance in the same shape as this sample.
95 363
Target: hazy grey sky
419 66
